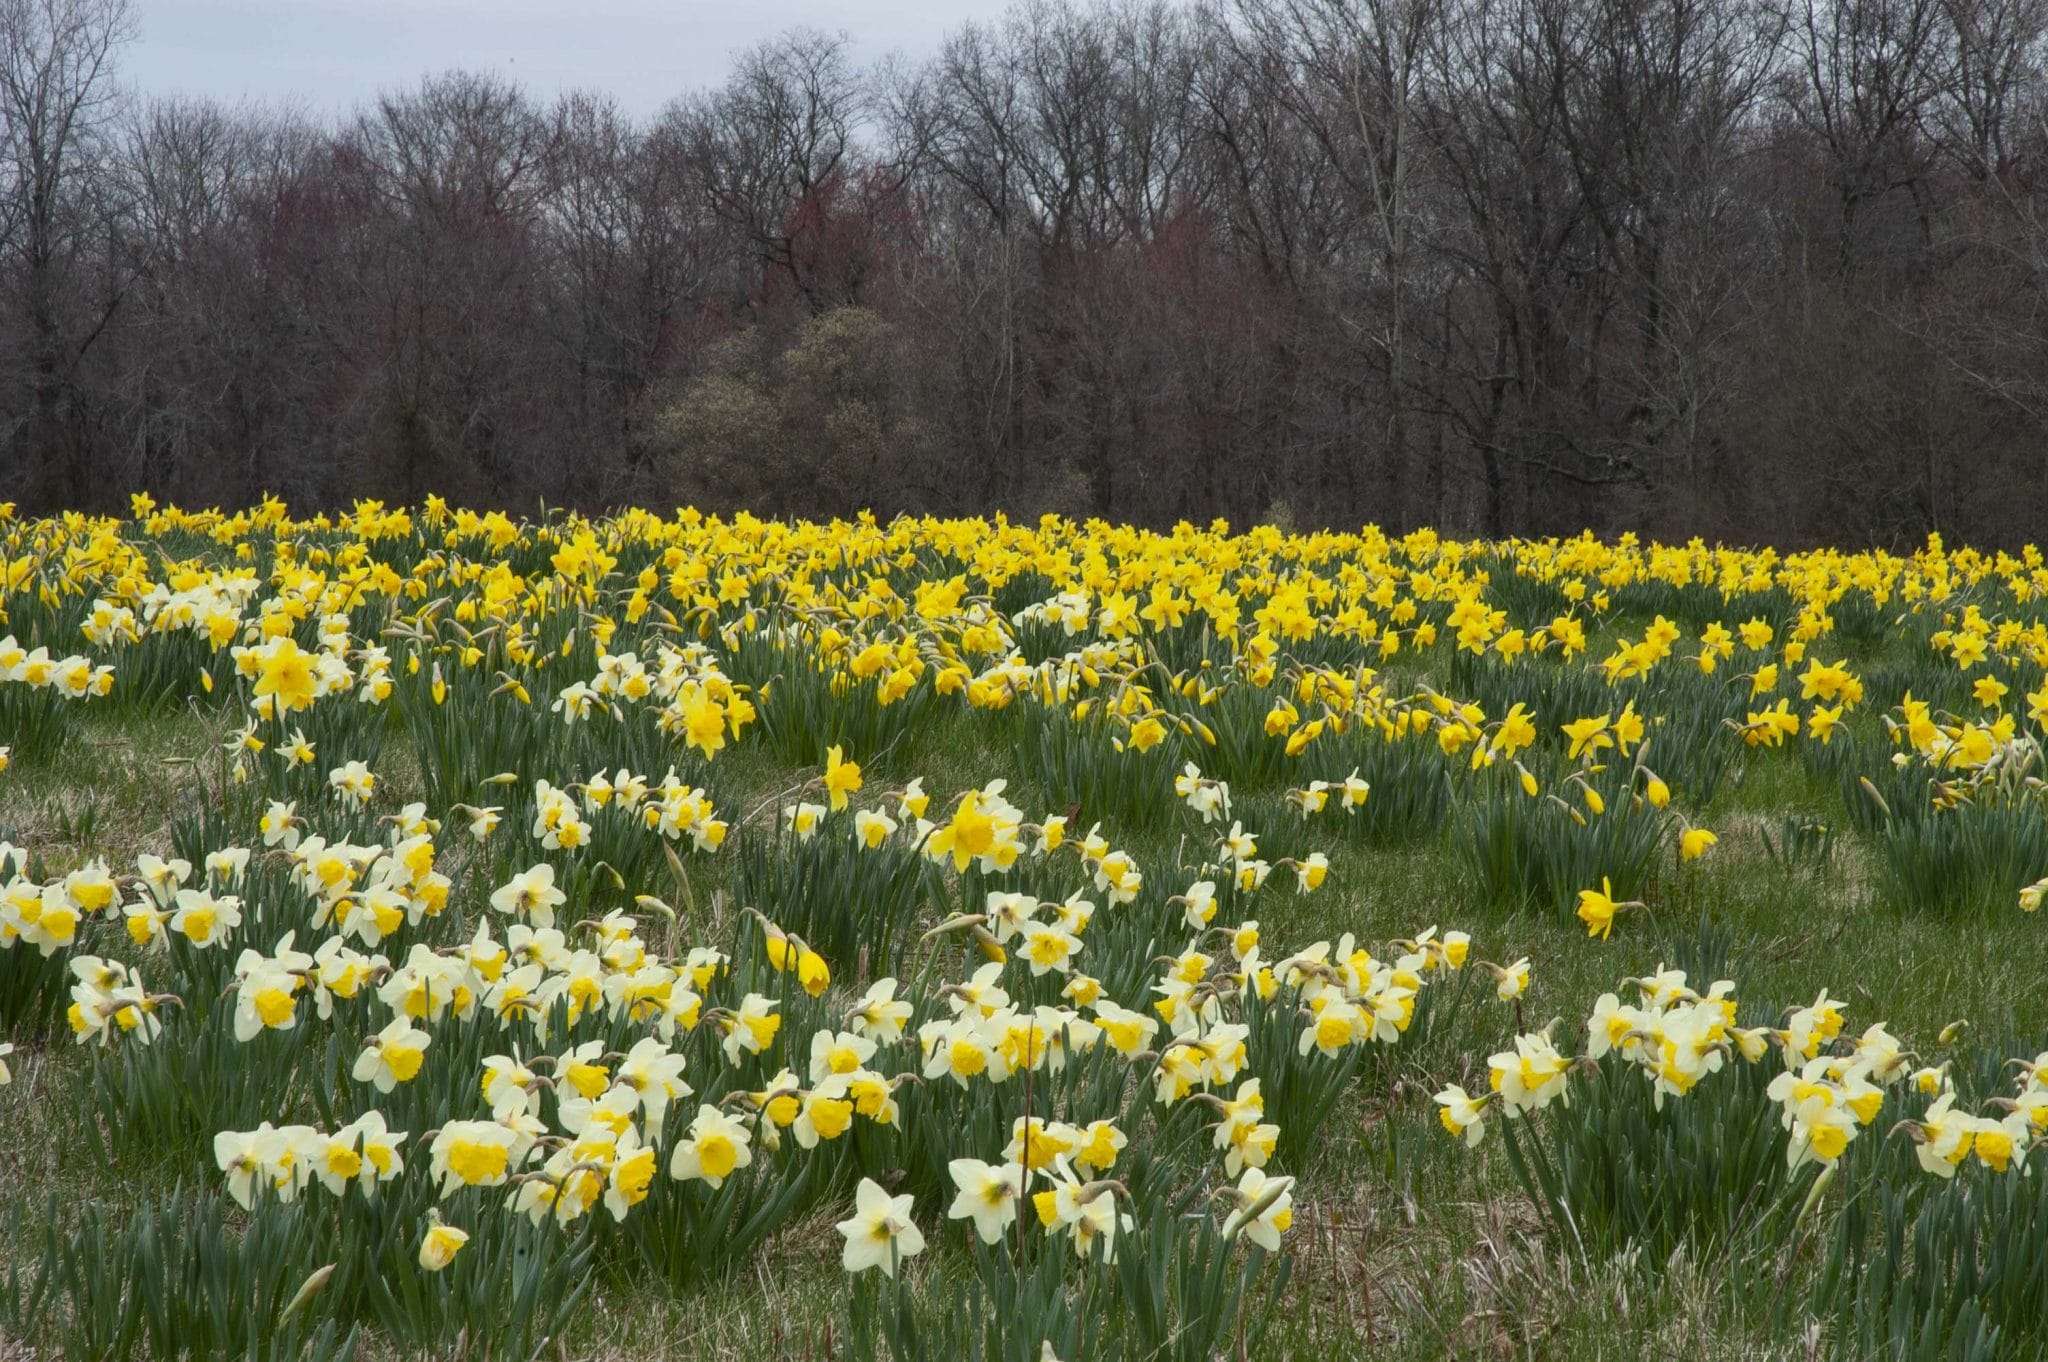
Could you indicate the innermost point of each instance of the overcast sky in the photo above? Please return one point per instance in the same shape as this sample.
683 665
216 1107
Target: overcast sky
332 55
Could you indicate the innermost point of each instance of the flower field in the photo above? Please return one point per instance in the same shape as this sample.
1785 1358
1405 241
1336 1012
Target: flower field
431 933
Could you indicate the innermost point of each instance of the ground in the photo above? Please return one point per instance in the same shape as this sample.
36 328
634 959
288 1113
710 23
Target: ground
1402 1249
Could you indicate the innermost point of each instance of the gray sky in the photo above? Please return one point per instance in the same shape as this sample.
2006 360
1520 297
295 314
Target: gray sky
332 55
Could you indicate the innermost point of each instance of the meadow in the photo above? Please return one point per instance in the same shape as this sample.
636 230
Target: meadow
425 933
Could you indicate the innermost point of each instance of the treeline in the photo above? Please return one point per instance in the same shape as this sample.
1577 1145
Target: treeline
1753 269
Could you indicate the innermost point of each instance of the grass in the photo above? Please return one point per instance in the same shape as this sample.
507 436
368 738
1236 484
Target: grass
1403 1250
112 789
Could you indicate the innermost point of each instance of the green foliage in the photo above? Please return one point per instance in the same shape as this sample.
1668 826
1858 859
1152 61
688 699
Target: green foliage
34 989
1800 845
1974 858
694 1236
806 708
1541 851
1073 764
1192 1296
852 903
1614 1170
174 1279
1953 1271
826 421
36 723
1412 794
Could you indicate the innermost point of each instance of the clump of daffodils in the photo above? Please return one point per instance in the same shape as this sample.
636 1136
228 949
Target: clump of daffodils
567 1122
1071 1029
1831 1088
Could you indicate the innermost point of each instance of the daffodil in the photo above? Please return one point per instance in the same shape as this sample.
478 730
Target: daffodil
880 1016
392 1056
440 1245
1264 1211
1529 1077
841 778
880 1233
1511 981
988 1195
1588 735
474 1154
712 1149
1461 1115
252 1160
1597 909
531 896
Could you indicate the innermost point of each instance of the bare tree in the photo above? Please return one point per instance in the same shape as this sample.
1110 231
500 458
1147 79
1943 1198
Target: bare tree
1725 267
1980 111
1354 74
56 101
773 143
1868 70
